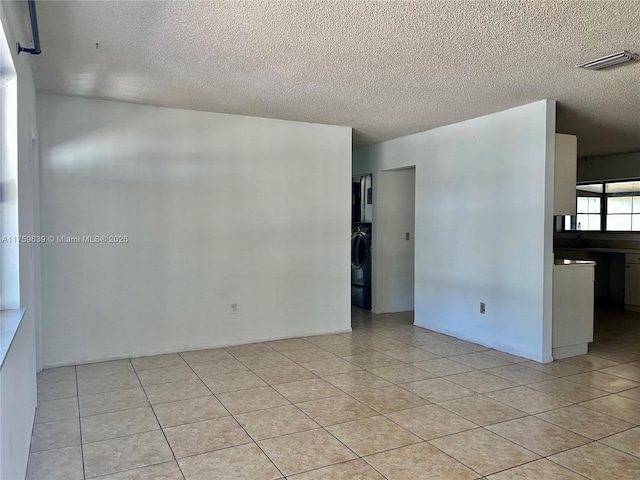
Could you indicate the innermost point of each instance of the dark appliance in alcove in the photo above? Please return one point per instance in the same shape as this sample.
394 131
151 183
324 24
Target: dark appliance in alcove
356 203
361 265
362 198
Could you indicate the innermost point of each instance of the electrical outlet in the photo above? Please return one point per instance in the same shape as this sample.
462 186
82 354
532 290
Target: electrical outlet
482 307
407 236
234 308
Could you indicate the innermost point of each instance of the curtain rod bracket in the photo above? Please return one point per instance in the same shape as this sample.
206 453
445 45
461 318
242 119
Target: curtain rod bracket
34 28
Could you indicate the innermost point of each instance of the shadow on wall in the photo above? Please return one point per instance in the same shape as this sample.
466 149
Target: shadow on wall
146 149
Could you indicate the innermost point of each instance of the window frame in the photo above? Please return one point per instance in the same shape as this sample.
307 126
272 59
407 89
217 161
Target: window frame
604 210
620 194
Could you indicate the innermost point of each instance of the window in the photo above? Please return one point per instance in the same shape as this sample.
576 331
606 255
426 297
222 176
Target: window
608 206
589 204
9 252
623 206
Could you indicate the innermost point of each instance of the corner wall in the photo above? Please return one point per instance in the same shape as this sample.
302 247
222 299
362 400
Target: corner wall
484 193
18 375
218 210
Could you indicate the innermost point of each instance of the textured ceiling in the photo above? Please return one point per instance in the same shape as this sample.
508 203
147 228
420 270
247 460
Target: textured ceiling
387 69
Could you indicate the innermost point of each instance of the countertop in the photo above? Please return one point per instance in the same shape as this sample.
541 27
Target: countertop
599 249
561 262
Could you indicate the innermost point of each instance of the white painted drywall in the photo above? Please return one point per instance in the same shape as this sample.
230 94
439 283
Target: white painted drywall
393 253
218 209
484 203
17 402
18 375
29 204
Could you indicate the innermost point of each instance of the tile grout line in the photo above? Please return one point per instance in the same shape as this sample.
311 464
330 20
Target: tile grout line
537 460
300 410
590 440
392 421
616 448
361 369
158 421
84 473
568 450
476 393
324 428
403 363
483 427
131 470
342 463
459 461
539 454
239 424
403 427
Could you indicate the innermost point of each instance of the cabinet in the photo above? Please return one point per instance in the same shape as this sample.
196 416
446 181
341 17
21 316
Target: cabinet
572 254
632 282
572 315
566 165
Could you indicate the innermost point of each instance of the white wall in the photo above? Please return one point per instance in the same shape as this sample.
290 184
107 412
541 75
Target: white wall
17 403
18 376
393 254
219 209
484 198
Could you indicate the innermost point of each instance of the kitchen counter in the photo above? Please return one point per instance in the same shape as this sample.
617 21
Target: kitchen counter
610 268
599 249
558 262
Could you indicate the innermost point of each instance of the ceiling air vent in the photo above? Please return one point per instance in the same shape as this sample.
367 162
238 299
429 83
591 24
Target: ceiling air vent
610 61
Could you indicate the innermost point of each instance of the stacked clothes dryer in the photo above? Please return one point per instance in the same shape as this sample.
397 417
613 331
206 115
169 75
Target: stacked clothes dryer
361 265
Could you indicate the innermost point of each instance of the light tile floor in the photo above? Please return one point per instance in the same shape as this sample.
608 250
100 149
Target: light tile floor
388 400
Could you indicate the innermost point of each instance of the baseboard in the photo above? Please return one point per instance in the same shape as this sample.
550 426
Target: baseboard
500 348
570 351
184 348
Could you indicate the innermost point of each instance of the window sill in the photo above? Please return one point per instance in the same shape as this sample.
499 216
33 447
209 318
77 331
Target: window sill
9 324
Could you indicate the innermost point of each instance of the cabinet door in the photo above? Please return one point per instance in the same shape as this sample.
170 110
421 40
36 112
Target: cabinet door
573 293
566 164
632 258
632 284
